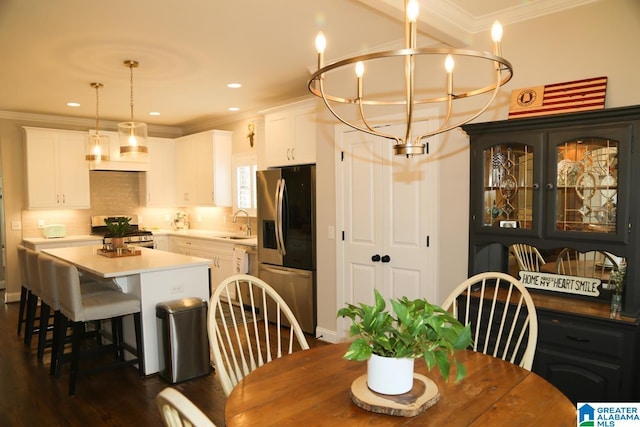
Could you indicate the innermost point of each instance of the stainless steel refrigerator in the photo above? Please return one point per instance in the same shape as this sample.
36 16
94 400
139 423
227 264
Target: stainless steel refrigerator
286 238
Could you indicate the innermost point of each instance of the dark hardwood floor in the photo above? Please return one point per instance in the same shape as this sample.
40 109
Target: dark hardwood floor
31 397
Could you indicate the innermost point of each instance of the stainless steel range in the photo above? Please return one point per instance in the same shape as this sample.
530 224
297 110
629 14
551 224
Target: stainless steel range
136 237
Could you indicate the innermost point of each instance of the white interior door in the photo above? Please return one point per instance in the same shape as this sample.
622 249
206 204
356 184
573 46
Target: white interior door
389 225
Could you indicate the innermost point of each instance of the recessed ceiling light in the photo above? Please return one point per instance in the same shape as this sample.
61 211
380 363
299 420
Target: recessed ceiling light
73 104
234 109
234 85
154 113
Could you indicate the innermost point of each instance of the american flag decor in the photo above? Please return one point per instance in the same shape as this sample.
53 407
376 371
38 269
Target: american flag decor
568 97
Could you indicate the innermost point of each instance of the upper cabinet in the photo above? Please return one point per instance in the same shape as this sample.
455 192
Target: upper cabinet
563 183
158 184
203 169
557 182
290 134
57 175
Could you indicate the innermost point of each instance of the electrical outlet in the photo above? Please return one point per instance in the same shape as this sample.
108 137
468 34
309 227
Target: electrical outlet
167 218
16 225
176 289
41 223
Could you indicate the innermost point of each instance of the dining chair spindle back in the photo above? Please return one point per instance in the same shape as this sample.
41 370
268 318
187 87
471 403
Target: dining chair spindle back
508 331
178 411
249 324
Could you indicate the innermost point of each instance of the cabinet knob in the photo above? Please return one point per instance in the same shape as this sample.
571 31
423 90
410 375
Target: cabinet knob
386 258
549 186
375 258
536 186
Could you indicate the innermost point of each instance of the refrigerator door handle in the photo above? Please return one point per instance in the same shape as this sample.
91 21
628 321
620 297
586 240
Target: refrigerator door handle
286 272
279 210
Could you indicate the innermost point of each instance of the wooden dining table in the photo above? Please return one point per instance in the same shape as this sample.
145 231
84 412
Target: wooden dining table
312 388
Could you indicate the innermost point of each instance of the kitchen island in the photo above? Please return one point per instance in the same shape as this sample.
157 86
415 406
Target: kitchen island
153 276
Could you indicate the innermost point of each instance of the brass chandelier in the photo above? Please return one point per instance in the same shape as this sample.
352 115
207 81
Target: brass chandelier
132 134
410 144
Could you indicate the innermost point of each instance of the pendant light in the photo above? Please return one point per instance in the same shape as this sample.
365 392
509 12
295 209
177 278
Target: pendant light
97 146
133 135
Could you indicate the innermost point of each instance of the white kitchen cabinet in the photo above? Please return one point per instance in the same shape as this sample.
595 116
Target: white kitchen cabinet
56 171
158 184
161 243
220 254
203 169
290 134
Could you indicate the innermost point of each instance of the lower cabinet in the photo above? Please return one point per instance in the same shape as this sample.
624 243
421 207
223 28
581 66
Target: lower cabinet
588 359
220 254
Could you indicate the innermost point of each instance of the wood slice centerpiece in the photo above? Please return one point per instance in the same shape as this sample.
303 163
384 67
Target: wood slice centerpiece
422 395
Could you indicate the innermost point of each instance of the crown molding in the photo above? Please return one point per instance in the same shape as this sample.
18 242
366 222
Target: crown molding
168 131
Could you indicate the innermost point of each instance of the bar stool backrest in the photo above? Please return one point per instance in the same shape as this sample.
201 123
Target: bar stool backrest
34 273
69 296
24 269
48 281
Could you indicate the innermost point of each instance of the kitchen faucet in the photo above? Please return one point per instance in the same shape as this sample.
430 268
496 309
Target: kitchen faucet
235 219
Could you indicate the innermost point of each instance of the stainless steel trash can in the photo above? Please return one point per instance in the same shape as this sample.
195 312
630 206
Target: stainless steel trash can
182 339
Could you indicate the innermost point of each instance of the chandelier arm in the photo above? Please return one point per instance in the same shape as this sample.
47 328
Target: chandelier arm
443 129
503 63
370 131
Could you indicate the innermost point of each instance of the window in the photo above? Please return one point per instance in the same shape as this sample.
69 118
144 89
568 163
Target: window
244 192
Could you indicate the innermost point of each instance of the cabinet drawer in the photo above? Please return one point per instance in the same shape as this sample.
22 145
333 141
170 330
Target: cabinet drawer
590 338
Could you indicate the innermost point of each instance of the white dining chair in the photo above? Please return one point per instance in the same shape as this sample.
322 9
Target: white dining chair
178 411
594 264
528 257
247 330
508 331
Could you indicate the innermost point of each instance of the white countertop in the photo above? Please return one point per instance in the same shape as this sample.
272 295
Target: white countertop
220 236
87 259
70 238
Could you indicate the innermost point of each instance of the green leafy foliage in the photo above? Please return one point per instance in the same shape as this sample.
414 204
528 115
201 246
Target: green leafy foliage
419 329
118 228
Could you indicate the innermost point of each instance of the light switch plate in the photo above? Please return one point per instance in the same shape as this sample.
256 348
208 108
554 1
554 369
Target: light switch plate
16 225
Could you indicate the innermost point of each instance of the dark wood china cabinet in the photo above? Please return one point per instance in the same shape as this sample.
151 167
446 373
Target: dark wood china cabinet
568 186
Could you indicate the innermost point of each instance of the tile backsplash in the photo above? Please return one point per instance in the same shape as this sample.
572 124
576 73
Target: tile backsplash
116 192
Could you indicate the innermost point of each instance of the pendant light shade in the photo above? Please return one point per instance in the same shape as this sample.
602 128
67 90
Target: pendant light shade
132 134
97 146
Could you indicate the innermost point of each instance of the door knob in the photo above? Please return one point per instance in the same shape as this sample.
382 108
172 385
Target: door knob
375 258
386 258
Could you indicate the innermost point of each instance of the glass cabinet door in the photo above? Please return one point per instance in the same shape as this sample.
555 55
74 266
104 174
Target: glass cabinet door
505 184
587 183
508 186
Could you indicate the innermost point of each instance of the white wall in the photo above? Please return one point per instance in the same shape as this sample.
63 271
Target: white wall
594 40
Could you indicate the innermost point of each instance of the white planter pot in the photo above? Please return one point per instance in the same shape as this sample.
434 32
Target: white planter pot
390 375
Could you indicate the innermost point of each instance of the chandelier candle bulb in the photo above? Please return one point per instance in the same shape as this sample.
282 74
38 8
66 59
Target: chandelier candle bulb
321 45
496 36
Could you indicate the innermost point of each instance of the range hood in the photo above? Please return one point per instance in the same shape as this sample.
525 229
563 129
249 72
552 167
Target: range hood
118 163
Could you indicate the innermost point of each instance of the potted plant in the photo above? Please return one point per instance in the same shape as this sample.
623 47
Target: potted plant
418 330
118 228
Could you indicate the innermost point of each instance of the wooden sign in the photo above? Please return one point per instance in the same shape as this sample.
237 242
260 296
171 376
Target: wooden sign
559 283
567 97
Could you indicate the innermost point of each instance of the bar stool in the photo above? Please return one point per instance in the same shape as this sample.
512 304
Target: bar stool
49 301
32 302
77 309
24 290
